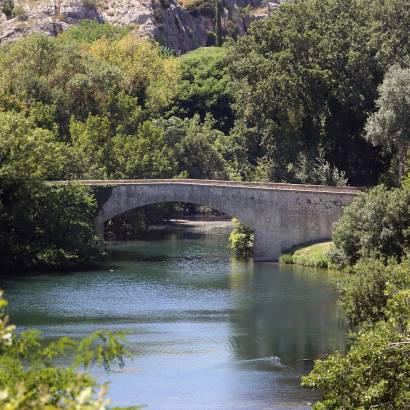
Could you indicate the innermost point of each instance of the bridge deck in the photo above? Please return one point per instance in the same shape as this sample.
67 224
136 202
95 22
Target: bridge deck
218 183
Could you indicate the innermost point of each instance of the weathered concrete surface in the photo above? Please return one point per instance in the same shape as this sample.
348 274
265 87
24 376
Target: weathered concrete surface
282 215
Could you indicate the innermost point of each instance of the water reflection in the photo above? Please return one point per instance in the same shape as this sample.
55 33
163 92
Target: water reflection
208 331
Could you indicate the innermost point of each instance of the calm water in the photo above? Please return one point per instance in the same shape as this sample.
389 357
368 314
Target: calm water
208 331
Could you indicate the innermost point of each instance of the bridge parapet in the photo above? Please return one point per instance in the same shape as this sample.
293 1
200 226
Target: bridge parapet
213 182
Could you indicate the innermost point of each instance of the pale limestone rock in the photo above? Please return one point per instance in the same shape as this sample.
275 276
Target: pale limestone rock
165 20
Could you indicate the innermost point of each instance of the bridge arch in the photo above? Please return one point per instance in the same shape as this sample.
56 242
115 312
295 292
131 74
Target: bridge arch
281 215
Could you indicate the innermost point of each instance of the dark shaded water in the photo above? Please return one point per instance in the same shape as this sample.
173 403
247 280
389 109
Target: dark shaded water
208 331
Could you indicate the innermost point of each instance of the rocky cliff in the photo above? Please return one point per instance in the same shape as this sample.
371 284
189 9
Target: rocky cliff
179 24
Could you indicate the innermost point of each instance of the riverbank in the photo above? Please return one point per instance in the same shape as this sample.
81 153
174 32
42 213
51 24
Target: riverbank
315 255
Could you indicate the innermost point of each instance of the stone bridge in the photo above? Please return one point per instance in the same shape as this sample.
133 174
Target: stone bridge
281 215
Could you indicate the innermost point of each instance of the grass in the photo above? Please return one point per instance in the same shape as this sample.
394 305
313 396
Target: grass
312 255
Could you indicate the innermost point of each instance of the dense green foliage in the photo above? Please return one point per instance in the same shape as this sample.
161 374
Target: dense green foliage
204 87
364 290
375 294
98 94
241 239
41 226
287 102
29 381
375 373
45 227
307 77
375 225
390 125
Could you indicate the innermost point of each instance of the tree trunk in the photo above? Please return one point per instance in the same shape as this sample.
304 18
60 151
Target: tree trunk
402 160
218 23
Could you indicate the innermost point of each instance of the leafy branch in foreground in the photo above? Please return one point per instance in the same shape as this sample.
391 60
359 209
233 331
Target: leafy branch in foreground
375 372
29 380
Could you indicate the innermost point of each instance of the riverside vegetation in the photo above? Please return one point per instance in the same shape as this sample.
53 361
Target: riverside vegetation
319 92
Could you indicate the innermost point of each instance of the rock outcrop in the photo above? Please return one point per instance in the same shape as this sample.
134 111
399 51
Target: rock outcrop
181 25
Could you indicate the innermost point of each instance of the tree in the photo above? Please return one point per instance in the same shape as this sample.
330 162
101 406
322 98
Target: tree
204 87
218 23
147 73
144 155
27 151
196 147
316 171
389 126
91 148
46 227
306 77
364 289
375 373
391 18
376 224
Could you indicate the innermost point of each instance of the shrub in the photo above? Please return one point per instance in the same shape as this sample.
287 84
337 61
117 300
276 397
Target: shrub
241 239
90 4
336 258
376 224
375 373
19 12
364 289
7 8
29 381
286 259
45 227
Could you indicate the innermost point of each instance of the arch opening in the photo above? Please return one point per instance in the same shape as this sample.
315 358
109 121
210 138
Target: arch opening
143 221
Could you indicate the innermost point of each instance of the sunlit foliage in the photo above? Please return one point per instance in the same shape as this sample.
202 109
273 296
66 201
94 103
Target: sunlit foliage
29 380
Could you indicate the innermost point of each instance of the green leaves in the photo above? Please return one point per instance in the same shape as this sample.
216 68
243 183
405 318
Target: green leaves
307 77
389 126
374 373
46 227
27 151
103 349
29 380
375 295
241 239
375 224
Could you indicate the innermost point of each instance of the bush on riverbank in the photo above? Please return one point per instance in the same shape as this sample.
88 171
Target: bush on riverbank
46 227
315 255
372 244
241 239
375 373
365 289
376 225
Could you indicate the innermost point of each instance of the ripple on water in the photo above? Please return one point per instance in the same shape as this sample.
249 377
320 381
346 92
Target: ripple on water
208 331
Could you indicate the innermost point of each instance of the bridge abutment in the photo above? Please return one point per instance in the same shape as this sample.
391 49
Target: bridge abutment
266 247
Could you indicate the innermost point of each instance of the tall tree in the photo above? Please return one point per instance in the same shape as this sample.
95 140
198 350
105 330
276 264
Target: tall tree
389 126
218 23
306 77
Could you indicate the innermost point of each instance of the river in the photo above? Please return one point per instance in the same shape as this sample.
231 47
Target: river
208 331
